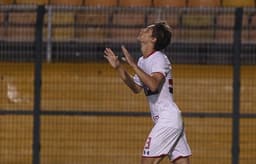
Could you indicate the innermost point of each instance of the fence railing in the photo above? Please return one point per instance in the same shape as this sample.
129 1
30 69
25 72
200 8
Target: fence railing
81 33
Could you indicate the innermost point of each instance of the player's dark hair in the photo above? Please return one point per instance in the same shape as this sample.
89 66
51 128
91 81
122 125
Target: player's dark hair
162 33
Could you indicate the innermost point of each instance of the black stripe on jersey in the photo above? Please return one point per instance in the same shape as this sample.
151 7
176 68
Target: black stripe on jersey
171 90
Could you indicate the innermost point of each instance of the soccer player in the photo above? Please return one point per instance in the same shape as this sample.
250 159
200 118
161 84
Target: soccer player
153 75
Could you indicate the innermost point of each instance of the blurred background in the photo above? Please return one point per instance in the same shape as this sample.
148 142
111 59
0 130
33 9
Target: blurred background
61 103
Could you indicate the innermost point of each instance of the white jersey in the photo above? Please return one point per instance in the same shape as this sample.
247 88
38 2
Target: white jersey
167 137
162 107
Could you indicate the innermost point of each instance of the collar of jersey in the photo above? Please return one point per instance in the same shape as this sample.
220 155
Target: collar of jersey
150 54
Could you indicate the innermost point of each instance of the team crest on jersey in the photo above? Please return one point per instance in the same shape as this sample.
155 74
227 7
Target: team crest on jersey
155 118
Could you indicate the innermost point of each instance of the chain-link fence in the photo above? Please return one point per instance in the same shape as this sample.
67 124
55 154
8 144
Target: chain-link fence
62 103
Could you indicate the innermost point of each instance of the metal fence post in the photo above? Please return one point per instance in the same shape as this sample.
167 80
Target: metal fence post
236 85
37 83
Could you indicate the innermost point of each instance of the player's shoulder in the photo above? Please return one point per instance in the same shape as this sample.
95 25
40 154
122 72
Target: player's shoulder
157 56
160 56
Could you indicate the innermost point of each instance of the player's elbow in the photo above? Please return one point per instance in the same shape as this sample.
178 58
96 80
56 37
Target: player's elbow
154 88
156 82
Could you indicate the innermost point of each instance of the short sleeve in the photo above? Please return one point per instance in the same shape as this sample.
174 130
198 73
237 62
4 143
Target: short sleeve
161 64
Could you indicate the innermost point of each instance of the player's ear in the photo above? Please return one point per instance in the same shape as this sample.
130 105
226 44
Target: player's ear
154 39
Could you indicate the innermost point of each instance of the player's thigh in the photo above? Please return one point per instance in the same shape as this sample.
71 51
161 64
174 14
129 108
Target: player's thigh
181 160
150 160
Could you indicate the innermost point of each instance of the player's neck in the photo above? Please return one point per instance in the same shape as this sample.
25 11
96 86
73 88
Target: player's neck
147 51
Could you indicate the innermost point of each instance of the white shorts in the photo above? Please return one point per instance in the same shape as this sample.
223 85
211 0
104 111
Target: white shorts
168 141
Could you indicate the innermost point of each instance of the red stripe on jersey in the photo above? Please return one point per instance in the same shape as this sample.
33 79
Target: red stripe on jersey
170 81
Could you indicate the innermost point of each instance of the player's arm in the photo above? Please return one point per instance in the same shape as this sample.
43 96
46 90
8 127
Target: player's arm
153 81
128 80
124 75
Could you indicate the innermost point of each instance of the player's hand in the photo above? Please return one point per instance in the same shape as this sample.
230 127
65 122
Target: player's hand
128 58
112 58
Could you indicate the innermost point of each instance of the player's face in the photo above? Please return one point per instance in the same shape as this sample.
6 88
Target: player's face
145 34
